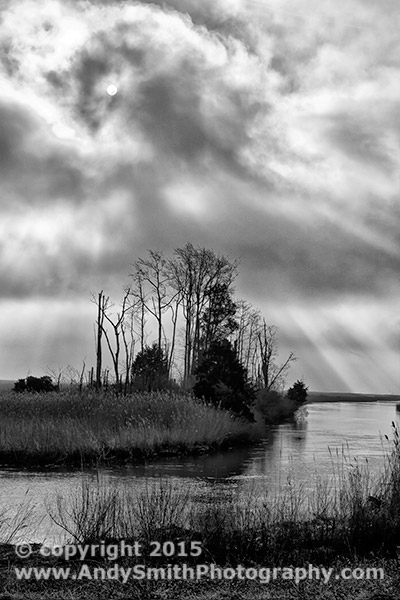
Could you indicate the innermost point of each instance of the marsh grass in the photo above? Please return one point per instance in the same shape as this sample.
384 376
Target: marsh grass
13 522
351 514
67 427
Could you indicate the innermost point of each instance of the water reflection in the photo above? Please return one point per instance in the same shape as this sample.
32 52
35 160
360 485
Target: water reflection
286 444
220 465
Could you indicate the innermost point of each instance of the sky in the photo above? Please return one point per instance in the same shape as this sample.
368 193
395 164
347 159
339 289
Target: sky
268 131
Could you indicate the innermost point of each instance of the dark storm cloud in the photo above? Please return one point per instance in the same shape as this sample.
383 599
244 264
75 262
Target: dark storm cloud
300 256
314 260
362 137
33 166
342 273
9 62
225 18
223 15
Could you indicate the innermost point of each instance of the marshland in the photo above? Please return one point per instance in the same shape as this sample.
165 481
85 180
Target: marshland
299 495
68 428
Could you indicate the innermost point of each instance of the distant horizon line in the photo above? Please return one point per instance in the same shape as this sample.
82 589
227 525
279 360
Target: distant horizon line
311 392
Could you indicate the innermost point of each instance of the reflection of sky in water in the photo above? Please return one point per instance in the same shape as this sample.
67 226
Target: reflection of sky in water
332 435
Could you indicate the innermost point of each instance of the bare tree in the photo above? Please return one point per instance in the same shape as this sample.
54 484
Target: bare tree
128 337
101 303
118 328
156 296
56 374
82 375
195 273
139 306
170 348
272 373
246 340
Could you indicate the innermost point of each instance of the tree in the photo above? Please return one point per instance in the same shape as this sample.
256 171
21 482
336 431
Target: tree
222 380
119 329
218 318
101 308
153 273
298 392
195 273
193 288
139 307
246 337
150 369
272 373
128 337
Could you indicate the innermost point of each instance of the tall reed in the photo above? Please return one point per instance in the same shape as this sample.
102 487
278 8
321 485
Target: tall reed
14 521
67 426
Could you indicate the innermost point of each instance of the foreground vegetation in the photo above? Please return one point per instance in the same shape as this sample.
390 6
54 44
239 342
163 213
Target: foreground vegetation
353 521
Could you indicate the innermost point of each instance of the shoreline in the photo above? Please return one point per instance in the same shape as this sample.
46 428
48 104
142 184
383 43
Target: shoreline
118 459
327 397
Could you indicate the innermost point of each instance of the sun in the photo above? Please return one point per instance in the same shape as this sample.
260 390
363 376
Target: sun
112 90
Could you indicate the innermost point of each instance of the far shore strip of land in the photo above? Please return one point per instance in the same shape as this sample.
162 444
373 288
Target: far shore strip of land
314 397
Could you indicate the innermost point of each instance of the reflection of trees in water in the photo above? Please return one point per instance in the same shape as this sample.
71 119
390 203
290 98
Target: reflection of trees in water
219 465
264 459
283 445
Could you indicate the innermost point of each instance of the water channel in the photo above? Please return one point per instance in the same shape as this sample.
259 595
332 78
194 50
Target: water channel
313 446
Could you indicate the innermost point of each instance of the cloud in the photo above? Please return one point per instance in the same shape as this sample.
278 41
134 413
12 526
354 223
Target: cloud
269 133
37 335
191 94
197 109
342 344
34 166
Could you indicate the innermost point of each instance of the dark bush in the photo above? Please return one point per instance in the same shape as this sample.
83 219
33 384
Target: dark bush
35 384
150 370
273 406
298 392
222 380
20 385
